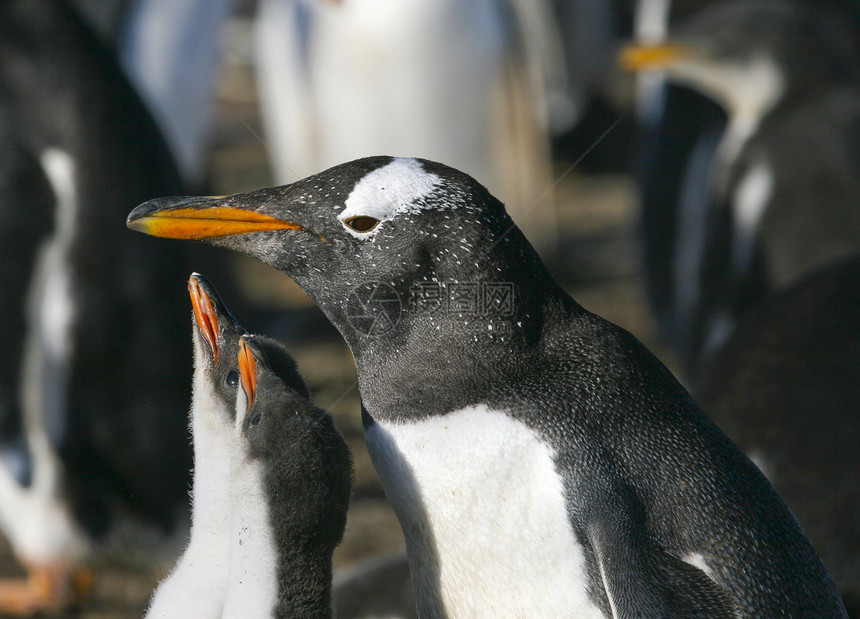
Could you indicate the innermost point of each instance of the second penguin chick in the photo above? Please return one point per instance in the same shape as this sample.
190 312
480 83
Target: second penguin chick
290 487
197 585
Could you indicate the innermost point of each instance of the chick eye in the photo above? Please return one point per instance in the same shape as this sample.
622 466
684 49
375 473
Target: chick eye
255 420
233 378
362 223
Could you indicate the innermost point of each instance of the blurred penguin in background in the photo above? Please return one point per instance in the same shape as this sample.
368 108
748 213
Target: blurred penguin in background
786 387
93 393
751 232
762 184
679 130
170 52
483 85
479 85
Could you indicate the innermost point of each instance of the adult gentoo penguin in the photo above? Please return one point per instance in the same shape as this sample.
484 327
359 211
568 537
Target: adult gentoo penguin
197 585
289 487
540 460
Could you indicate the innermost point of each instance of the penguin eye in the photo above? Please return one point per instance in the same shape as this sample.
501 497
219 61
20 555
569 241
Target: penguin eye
362 223
233 378
255 420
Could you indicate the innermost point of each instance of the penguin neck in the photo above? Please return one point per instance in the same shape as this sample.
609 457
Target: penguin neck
213 440
465 332
253 588
304 582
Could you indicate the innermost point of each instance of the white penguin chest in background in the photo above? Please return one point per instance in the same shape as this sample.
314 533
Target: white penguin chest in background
484 514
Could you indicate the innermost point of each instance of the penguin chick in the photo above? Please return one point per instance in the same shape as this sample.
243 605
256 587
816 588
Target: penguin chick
197 585
290 486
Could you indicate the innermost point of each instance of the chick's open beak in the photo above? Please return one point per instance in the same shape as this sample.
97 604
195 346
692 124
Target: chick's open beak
248 371
204 313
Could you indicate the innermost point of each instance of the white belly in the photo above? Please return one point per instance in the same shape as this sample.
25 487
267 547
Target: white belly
484 514
252 590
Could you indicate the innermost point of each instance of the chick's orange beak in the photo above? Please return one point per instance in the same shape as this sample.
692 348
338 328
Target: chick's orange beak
204 314
248 371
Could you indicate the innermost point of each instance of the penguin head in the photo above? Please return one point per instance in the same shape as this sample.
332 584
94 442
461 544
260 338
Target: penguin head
747 55
306 464
383 220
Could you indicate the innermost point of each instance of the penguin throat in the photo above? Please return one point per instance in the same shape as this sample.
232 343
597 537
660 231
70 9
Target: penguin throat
442 364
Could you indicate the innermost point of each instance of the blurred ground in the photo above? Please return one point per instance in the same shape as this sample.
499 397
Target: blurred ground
598 264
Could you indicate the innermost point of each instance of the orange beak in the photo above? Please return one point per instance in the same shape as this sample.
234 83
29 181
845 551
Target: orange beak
204 223
248 371
654 56
204 313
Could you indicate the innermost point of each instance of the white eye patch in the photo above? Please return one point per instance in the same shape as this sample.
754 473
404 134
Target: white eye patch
397 187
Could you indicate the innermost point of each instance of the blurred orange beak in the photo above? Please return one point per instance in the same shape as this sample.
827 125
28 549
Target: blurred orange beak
204 313
647 56
248 371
